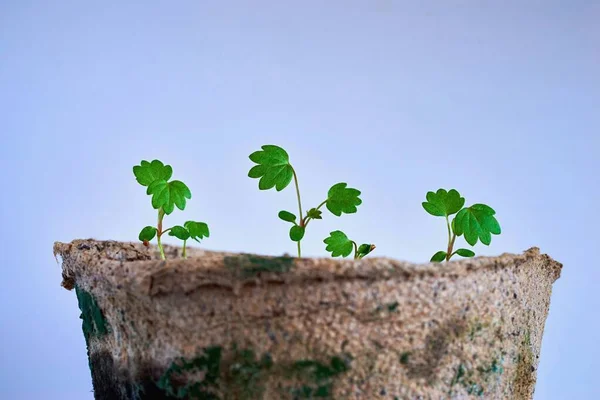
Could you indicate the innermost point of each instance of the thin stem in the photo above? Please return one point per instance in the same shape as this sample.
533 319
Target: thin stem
451 239
160 248
165 231
183 254
356 257
321 205
302 224
159 233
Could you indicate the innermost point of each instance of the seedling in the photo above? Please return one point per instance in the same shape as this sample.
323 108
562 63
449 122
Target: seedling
275 171
338 244
476 222
166 195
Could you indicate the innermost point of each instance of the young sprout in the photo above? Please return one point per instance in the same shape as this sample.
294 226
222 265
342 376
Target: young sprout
275 171
166 195
338 244
476 222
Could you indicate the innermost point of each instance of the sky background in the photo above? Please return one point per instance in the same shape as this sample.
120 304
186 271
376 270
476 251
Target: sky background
499 100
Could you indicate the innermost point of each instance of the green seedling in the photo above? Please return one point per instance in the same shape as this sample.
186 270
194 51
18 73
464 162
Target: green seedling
275 171
166 195
476 222
338 244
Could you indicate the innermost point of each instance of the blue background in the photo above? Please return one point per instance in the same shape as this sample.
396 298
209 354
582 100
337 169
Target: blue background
497 99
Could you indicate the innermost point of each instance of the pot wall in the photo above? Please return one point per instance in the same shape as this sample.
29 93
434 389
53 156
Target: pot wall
236 326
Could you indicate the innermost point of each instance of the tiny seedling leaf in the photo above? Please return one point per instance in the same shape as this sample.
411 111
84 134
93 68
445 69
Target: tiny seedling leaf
287 216
147 234
179 232
465 253
168 195
197 230
443 203
365 249
477 222
313 213
439 256
342 199
148 172
296 233
273 169
338 244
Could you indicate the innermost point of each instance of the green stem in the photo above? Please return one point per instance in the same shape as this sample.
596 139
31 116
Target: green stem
302 224
321 205
159 233
183 254
356 257
451 239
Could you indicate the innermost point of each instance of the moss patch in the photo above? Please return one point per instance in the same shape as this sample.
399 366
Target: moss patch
404 357
475 380
176 380
245 374
242 374
249 265
316 378
94 324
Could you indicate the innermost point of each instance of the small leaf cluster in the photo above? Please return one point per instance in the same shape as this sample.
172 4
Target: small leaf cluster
274 170
166 195
475 223
338 244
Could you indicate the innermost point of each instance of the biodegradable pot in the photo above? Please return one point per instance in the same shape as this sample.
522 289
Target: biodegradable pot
240 326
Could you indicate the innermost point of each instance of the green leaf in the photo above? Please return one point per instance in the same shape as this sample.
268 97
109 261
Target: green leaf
477 222
179 232
465 253
287 216
438 257
148 172
313 213
197 230
365 249
338 244
341 199
168 195
273 169
297 233
443 203
147 234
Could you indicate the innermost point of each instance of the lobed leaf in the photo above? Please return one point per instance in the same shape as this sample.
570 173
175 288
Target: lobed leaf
273 169
168 195
197 230
443 203
148 172
477 222
313 213
338 244
342 199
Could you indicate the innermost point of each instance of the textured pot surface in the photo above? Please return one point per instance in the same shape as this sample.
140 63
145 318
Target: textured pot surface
239 326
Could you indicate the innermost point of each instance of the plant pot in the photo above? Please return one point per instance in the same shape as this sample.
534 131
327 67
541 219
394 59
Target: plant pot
240 326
